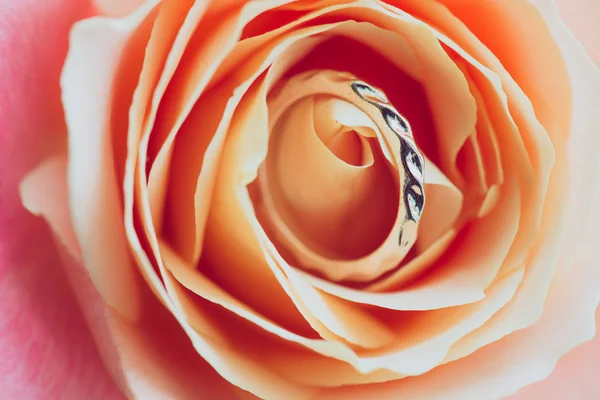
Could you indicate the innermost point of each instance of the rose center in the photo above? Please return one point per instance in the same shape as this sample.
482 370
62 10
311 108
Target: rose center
342 180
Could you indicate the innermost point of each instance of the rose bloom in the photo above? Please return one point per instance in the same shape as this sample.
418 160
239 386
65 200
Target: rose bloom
274 199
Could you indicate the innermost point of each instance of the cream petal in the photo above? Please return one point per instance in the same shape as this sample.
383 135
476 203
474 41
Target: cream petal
444 204
50 178
136 354
93 189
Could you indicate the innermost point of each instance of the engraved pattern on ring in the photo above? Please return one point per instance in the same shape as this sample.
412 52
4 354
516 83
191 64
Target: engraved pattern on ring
412 160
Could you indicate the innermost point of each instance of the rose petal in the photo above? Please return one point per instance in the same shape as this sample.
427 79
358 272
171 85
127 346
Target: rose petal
94 197
463 276
47 351
313 192
185 218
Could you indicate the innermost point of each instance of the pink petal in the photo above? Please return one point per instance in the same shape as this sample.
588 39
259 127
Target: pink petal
47 350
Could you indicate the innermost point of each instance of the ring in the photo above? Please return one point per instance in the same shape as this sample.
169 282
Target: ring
412 160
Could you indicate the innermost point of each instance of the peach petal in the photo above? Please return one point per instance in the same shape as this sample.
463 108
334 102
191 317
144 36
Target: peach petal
428 336
94 197
486 135
233 269
205 288
518 359
420 348
248 257
415 352
411 270
236 367
537 275
317 371
583 146
470 163
443 81
167 123
344 319
237 162
528 54
533 138
522 110
434 237
246 47
278 357
303 181
172 29
526 307
241 368
180 98
465 274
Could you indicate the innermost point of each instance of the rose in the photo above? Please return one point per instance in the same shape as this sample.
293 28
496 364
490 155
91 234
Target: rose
123 331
